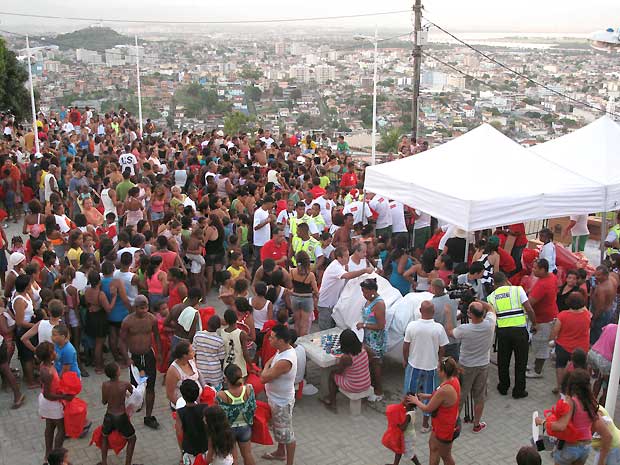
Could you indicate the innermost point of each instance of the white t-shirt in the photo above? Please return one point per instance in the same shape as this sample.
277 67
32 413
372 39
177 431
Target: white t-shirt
67 127
325 252
272 176
326 208
360 211
189 202
581 225
281 391
382 207
425 337
50 185
423 221
283 219
61 221
332 284
450 231
301 363
352 266
263 234
548 253
127 160
180 178
397 210
268 141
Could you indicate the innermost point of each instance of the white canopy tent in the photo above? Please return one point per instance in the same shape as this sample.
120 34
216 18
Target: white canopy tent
594 152
483 179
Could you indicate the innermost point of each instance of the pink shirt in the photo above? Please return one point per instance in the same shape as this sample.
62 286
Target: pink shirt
605 343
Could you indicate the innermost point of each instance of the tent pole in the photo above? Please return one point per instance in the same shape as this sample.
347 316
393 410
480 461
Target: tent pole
603 235
614 376
467 248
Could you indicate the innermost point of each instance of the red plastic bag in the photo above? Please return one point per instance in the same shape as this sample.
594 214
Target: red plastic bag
561 408
260 428
506 262
116 441
205 314
394 438
433 242
70 383
267 351
76 411
208 396
255 381
200 460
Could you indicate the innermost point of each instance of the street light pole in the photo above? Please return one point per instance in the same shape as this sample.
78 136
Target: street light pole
374 104
417 62
139 92
34 110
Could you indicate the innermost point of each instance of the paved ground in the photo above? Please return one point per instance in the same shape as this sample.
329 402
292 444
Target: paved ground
323 437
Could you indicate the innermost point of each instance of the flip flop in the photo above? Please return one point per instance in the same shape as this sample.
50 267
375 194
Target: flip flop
270 456
19 402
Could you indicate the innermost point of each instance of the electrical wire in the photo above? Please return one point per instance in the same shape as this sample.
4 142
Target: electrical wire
240 21
454 68
521 75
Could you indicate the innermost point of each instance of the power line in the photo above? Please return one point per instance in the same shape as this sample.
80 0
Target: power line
240 21
524 76
454 68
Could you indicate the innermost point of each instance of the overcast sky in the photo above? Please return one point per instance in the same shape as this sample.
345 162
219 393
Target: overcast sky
458 15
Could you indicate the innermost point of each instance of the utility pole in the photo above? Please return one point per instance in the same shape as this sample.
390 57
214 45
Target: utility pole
417 62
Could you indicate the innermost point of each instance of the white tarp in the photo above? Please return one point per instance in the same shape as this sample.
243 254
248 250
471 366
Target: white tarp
592 151
483 179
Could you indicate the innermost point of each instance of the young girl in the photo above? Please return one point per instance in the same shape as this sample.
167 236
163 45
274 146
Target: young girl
156 281
227 291
165 335
262 310
17 245
408 429
221 438
237 268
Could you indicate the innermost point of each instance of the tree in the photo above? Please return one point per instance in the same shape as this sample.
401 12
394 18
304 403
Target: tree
197 100
389 140
296 94
235 121
253 74
253 93
277 91
13 93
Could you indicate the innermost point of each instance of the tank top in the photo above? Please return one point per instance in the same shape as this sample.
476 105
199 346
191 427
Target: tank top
157 206
233 350
28 311
154 284
260 315
444 421
195 440
119 311
487 275
183 376
239 400
422 283
302 287
221 188
44 331
68 297
173 296
581 421
108 204
132 217
216 247
126 277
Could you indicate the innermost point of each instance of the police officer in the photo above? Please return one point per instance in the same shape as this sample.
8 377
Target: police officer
511 306
612 241
304 241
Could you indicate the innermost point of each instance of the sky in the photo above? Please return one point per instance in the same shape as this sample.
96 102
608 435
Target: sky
460 16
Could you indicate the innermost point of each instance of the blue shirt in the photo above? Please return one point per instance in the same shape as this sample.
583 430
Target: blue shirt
67 355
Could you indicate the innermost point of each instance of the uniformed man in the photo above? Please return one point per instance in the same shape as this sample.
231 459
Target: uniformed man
612 241
304 241
511 306
301 217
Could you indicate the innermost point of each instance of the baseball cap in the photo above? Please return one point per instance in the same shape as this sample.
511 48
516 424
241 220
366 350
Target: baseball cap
140 300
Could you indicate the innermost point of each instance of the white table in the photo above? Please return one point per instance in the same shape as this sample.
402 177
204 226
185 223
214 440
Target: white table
315 352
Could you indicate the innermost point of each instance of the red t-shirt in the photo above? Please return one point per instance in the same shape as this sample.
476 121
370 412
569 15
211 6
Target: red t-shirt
574 332
521 239
506 262
317 191
545 292
274 251
348 180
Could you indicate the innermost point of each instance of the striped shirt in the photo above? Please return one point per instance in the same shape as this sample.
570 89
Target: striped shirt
209 349
356 377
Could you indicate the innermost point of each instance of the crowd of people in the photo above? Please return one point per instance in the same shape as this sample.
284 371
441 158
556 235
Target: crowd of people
127 242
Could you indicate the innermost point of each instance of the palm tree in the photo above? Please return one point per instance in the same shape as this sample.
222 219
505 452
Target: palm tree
389 140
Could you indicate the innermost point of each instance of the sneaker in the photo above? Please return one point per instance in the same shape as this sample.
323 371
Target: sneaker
533 374
519 395
151 422
374 398
478 429
310 390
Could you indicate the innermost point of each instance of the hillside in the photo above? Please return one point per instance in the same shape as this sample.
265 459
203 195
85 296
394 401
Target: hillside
92 38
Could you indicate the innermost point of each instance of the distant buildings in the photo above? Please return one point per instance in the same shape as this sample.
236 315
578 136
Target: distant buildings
89 57
300 73
324 73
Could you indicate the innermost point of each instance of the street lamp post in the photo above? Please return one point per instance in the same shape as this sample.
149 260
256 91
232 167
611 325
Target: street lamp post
375 41
35 129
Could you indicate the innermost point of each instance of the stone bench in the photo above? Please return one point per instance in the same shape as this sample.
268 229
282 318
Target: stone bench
355 399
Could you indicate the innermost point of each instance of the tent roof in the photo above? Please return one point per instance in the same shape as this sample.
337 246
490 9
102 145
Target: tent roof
484 179
593 151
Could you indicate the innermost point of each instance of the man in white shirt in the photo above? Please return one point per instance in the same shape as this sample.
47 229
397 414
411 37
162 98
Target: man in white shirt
278 375
384 218
327 206
399 228
548 249
128 161
578 228
422 349
50 183
267 139
262 228
360 211
333 282
284 218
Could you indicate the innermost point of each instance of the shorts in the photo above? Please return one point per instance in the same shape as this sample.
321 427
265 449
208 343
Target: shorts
97 324
3 262
23 352
282 422
571 453
242 433
385 232
599 363
147 363
214 259
156 216
421 236
4 353
115 324
120 423
562 357
475 382
302 302
197 262
540 341
50 409
613 457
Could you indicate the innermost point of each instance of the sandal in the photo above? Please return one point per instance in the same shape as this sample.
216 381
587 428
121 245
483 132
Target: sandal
270 456
19 402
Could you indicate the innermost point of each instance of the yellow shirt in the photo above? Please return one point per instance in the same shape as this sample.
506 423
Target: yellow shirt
234 272
324 181
74 254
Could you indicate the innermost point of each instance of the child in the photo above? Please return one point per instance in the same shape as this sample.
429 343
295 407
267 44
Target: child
58 456
209 348
109 227
189 423
67 355
237 267
408 429
233 244
241 287
242 233
17 245
227 291
113 395
221 438
165 335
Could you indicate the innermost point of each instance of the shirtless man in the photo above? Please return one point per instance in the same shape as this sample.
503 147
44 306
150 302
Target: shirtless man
184 329
342 236
265 271
136 332
113 394
602 302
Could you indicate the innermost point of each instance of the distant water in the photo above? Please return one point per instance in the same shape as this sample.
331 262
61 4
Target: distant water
490 38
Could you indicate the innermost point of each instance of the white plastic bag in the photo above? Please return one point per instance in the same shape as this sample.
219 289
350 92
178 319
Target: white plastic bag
134 401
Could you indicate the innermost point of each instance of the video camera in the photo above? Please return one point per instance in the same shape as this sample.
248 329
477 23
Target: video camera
464 292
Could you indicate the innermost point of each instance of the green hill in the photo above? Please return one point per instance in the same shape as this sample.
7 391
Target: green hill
92 38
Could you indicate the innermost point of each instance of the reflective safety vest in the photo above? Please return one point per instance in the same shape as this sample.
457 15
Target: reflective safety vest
319 222
294 222
507 303
616 230
309 246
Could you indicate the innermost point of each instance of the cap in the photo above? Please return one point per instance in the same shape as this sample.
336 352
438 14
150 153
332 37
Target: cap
140 300
38 155
220 133
493 240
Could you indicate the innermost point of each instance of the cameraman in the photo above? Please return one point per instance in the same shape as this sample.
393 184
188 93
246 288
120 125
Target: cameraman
476 339
444 305
473 277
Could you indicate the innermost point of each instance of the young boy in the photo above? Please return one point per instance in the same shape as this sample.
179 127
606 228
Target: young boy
66 355
190 423
113 395
209 348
